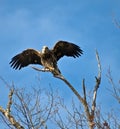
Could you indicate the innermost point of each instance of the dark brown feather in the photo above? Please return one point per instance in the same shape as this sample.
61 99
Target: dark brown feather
64 48
29 56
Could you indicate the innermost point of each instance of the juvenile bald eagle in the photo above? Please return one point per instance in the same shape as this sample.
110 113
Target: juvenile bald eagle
47 57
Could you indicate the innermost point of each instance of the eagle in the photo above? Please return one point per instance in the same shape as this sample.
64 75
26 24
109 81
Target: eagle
46 57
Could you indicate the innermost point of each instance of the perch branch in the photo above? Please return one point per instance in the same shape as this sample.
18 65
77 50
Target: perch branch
42 70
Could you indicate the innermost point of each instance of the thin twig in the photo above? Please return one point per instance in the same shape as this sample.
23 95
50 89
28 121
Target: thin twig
115 90
116 22
84 89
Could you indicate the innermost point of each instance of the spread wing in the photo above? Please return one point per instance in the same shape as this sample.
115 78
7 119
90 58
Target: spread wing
29 56
64 48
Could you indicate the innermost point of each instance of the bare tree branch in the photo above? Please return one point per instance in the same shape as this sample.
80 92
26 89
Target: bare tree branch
7 113
10 100
98 81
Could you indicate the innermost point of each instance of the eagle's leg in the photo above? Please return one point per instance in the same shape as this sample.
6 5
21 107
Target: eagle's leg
53 70
56 72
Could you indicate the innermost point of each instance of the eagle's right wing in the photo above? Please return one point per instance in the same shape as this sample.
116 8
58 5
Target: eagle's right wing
29 56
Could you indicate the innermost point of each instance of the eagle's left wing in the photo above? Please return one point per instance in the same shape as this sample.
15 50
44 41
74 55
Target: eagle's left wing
64 48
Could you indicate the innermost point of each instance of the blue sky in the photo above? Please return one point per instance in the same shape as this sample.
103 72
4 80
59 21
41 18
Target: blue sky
89 24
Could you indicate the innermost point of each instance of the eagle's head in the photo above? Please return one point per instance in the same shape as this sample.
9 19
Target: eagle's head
45 49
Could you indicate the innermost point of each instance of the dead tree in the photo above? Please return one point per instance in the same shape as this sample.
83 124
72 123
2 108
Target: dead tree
89 110
30 113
